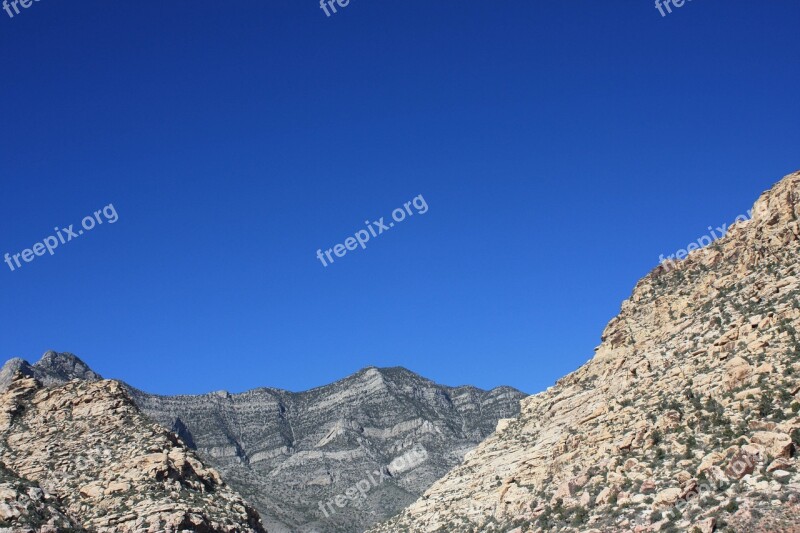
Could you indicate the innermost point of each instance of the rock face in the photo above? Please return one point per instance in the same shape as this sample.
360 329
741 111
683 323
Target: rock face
81 456
292 454
686 417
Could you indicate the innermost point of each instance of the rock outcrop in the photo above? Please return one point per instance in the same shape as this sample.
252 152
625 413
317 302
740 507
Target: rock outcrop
685 419
80 456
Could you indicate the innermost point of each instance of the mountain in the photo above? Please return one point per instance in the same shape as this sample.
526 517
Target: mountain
686 418
289 453
292 454
81 457
52 368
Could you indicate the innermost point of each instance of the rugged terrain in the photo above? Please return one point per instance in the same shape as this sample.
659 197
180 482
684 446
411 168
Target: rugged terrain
290 453
81 457
685 419
25 507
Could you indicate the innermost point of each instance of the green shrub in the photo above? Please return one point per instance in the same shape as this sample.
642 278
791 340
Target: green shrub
765 405
655 437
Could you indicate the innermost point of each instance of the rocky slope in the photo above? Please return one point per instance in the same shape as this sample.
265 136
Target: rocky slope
26 508
685 419
81 456
292 454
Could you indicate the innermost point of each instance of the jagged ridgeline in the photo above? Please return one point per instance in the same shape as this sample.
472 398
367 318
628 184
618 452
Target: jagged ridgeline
686 419
292 454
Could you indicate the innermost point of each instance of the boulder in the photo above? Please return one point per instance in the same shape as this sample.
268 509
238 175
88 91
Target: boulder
666 498
743 462
775 444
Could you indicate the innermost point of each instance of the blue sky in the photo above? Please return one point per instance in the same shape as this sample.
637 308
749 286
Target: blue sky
561 148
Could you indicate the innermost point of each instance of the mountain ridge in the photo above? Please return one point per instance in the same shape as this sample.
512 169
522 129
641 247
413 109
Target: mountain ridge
284 449
57 363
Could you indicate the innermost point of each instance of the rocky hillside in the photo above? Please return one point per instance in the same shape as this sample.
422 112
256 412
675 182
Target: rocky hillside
685 419
292 454
26 508
81 456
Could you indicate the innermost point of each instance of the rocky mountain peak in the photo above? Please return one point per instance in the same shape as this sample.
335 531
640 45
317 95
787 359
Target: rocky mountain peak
53 368
11 369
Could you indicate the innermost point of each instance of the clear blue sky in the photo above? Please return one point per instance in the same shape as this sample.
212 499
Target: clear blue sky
561 147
